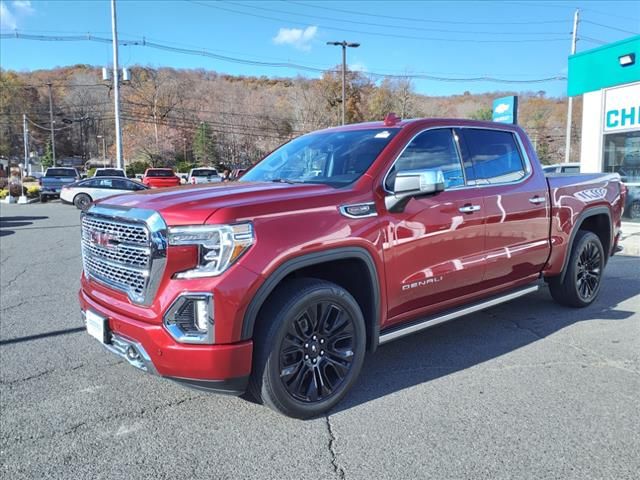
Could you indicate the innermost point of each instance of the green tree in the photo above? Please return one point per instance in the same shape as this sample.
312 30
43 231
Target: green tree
204 146
482 114
47 159
136 168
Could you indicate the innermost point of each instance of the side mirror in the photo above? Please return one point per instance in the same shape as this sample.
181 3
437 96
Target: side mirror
413 183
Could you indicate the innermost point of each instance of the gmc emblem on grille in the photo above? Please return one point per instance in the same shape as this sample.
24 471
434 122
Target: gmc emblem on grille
103 239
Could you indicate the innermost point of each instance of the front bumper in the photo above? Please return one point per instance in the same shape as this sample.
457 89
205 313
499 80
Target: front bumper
148 347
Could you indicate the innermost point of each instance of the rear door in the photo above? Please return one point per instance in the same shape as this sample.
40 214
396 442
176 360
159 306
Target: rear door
434 249
516 205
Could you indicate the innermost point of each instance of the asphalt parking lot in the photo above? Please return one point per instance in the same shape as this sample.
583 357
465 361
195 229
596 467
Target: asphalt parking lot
524 390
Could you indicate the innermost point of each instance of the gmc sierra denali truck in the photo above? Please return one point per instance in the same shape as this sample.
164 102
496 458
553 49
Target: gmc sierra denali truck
337 242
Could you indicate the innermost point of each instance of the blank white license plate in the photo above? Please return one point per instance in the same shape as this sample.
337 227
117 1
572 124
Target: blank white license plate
96 326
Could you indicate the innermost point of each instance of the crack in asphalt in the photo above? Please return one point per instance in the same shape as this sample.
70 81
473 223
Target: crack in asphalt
13 280
337 468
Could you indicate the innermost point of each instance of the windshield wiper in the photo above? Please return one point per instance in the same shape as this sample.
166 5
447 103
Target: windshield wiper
286 180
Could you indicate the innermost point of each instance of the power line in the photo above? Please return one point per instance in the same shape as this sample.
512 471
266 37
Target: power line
403 27
593 40
205 53
610 27
379 34
421 20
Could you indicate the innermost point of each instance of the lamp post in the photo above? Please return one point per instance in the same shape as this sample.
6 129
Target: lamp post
104 150
344 44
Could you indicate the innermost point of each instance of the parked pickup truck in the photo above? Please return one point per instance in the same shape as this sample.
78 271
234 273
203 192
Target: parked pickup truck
337 242
54 179
160 177
203 175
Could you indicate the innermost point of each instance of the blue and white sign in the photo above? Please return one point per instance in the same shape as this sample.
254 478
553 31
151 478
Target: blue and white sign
505 110
622 108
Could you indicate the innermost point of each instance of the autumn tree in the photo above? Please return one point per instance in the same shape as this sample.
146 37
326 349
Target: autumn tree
482 114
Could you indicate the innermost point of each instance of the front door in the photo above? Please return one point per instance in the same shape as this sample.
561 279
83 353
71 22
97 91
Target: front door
434 249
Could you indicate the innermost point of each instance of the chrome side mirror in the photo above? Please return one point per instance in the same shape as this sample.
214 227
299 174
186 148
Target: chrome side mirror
413 183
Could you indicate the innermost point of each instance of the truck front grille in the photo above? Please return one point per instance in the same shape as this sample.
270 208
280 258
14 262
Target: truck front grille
123 253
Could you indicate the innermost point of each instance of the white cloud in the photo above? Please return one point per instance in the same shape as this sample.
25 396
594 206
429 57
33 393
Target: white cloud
23 6
296 37
357 67
7 19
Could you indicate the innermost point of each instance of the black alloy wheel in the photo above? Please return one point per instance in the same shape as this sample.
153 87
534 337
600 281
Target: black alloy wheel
589 270
582 278
309 347
316 353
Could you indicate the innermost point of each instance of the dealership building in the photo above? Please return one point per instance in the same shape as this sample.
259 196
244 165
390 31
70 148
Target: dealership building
608 78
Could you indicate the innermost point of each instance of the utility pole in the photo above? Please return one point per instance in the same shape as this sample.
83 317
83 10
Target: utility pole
184 144
344 44
52 125
116 81
574 40
25 129
104 150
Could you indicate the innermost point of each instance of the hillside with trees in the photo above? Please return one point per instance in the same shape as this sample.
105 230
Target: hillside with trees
180 118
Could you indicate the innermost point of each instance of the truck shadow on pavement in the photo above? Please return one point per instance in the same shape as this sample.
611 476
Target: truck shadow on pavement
14 222
478 338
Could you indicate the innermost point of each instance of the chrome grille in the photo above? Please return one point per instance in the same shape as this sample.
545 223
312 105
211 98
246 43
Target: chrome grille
119 253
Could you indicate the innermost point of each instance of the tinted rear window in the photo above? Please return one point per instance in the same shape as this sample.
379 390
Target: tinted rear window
61 172
204 172
494 155
109 172
160 173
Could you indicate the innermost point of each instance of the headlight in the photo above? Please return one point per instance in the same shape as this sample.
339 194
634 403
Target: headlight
219 246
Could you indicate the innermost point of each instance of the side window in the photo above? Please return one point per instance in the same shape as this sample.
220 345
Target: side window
495 157
570 169
122 185
104 183
433 149
89 184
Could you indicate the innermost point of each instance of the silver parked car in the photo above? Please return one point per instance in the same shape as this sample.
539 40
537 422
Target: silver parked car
83 193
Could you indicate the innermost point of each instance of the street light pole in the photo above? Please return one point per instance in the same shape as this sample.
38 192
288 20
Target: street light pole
52 125
344 44
116 82
104 150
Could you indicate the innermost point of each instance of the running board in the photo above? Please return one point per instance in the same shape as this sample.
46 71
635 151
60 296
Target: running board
432 321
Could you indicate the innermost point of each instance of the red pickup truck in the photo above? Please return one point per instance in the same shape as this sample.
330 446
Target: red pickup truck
160 177
337 242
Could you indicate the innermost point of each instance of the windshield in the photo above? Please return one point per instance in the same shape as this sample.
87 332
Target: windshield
61 172
334 158
160 173
203 172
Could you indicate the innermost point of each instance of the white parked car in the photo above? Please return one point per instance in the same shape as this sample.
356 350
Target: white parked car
573 167
85 192
203 175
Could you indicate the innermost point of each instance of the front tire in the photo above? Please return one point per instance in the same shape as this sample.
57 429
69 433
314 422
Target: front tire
583 278
634 210
309 348
82 201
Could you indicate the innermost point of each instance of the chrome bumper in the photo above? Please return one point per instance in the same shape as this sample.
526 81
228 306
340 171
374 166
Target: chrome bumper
131 351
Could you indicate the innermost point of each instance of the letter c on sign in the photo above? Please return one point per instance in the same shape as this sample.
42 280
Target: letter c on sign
611 123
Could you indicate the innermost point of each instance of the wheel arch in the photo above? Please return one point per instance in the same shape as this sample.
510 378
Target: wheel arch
596 220
327 265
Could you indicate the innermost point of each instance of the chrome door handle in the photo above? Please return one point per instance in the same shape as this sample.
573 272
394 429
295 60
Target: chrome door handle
536 200
469 208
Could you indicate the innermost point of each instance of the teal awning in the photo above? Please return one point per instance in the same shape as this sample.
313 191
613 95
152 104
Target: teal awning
600 68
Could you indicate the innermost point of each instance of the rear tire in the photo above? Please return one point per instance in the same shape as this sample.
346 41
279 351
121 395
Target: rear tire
583 277
309 347
634 210
82 201
43 199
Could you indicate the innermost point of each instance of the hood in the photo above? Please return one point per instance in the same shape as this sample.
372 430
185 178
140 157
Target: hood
193 205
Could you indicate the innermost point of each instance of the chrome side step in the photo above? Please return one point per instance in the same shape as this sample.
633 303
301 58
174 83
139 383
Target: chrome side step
432 321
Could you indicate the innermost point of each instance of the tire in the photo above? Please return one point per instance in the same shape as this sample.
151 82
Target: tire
43 199
82 201
634 210
315 332
583 277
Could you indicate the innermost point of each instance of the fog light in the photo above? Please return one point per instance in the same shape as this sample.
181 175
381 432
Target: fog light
190 319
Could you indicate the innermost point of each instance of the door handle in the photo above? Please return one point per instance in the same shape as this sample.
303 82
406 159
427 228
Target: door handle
469 208
536 200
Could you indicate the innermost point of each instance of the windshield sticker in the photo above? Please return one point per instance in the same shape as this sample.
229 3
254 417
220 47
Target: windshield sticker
384 134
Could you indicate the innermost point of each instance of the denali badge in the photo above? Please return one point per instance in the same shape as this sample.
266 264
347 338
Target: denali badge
421 283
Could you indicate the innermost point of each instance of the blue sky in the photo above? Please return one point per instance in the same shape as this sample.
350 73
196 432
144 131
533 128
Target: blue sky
513 40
